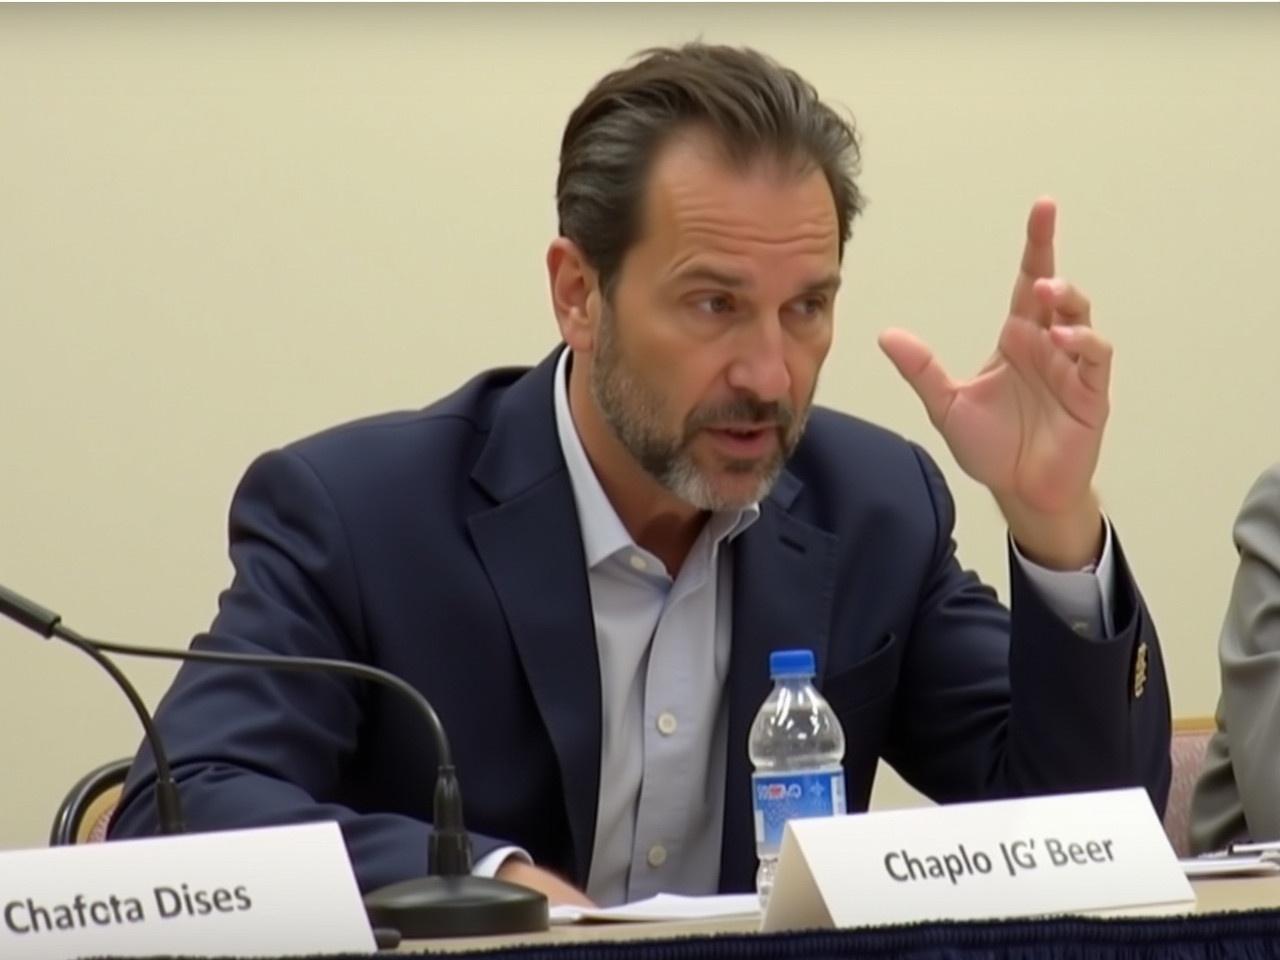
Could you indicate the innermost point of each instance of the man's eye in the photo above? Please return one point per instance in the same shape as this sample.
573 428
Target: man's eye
813 306
715 304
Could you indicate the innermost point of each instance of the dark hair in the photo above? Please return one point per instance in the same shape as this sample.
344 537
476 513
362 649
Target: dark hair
750 104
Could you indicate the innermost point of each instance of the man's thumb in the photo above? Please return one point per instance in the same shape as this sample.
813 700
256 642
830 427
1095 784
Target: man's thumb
920 368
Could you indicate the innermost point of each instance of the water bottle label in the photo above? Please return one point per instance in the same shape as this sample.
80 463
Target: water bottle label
779 797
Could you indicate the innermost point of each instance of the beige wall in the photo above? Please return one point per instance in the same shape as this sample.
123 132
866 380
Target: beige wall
222 228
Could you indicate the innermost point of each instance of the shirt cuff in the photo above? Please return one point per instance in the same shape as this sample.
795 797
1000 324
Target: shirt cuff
489 865
1081 598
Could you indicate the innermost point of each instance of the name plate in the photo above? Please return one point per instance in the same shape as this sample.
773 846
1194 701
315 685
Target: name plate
273 891
1008 858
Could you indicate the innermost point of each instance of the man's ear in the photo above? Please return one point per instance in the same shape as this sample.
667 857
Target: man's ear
574 293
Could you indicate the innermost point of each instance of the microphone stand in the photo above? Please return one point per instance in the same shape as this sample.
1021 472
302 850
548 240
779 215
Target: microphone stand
448 901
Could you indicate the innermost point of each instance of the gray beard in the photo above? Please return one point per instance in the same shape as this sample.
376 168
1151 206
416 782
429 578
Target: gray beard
631 409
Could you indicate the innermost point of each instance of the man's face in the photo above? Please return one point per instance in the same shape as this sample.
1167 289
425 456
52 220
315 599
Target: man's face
706 362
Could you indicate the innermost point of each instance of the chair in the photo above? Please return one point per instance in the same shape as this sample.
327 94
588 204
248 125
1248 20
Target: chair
86 812
1190 741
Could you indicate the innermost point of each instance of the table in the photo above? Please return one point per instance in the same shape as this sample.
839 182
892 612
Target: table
1212 897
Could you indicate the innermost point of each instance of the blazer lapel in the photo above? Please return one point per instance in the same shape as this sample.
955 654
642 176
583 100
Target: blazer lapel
783 585
531 545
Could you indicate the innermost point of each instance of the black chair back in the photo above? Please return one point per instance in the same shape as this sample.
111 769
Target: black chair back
98 790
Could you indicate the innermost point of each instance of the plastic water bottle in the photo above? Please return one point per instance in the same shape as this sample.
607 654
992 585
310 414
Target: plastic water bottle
796 747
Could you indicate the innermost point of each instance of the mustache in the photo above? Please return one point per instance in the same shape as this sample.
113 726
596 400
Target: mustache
742 410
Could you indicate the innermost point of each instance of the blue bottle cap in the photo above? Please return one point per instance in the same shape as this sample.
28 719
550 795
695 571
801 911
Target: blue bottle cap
791 663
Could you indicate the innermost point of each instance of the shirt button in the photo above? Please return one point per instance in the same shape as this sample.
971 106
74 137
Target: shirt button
638 562
657 855
667 723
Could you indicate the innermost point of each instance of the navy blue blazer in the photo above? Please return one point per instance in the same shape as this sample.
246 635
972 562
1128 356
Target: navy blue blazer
444 545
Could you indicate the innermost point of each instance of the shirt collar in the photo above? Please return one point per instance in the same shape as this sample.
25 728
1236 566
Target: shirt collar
603 534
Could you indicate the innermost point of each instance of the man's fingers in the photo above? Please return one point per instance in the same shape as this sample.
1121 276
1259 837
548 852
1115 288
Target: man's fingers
1091 352
920 368
1037 256
1067 303
557 891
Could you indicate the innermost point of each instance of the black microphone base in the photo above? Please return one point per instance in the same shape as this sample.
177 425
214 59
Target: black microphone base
429 907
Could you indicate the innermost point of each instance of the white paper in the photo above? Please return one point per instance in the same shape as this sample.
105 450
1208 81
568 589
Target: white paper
277 891
1257 865
664 907
1248 847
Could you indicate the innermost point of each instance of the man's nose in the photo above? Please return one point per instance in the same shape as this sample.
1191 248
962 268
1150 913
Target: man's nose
760 366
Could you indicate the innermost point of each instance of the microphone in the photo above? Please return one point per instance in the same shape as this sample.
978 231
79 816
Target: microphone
47 623
448 902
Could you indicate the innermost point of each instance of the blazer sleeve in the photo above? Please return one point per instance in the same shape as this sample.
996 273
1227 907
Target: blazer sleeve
998 703
1249 654
254 747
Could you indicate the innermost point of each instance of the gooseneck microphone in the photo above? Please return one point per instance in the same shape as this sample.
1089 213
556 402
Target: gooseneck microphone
448 902
48 624
449 847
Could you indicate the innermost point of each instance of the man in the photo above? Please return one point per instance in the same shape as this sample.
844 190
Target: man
584 566
1237 796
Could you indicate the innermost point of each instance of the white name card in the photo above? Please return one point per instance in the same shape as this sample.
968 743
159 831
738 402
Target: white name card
1008 858
274 891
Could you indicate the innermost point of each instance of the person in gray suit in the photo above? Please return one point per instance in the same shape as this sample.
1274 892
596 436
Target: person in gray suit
1238 793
